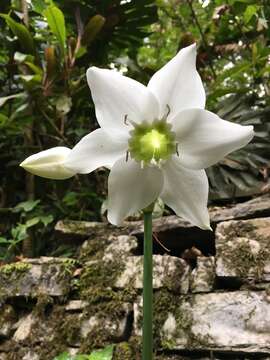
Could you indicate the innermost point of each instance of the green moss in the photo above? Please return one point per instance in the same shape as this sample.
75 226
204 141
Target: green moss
123 351
96 286
242 228
242 260
67 268
43 301
97 279
18 268
7 315
70 329
179 306
168 344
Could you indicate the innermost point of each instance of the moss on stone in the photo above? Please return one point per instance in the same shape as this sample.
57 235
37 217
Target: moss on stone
123 351
11 274
43 301
98 278
242 260
7 315
17 268
96 286
165 303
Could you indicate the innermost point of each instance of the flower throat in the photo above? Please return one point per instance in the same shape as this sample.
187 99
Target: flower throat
152 143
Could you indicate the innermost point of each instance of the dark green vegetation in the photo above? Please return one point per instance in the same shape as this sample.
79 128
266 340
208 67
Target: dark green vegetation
46 48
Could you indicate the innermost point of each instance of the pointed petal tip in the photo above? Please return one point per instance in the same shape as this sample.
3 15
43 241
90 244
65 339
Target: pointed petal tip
91 71
112 220
205 226
191 48
24 164
208 227
48 164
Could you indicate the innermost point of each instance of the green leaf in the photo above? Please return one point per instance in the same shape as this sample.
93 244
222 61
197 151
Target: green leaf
19 233
36 69
64 356
32 222
46 219
249 12
56 22
4 240
24 36
38 6
67 356
3 120
26 205
104 354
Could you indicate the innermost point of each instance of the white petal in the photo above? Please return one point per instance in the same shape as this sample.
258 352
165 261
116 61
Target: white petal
178 83
116 96
131 189
93 151
186 192
204 138
49 164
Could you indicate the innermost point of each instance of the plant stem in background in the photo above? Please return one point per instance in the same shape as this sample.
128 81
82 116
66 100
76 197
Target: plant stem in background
147 351
27 245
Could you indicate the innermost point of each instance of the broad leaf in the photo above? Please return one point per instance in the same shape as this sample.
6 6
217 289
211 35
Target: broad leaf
67 356
32 222
24 36
56 21
26 205
46 219
4 240
250 11
104 354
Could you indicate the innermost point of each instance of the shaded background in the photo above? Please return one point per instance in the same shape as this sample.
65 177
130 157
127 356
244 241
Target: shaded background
46 48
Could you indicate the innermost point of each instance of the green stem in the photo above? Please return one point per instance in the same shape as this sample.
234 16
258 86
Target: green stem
147 352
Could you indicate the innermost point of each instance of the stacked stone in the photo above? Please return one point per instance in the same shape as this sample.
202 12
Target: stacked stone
211 291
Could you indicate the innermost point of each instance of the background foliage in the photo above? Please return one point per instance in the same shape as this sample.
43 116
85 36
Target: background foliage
46 47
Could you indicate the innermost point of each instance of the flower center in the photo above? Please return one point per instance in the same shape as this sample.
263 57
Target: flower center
152 143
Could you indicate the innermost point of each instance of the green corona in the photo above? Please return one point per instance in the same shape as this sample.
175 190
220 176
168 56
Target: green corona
152 143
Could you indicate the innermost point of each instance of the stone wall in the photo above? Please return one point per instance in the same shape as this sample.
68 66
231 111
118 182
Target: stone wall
211 290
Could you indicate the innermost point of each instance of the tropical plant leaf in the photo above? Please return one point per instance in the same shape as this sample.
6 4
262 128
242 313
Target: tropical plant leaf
56 22
24 36
104 354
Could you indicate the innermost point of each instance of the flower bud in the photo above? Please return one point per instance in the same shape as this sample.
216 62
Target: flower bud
49 163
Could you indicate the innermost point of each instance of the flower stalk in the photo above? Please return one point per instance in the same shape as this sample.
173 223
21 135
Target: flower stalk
147 350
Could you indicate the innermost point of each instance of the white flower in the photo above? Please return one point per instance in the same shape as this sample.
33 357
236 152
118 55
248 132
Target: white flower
157 139
49 164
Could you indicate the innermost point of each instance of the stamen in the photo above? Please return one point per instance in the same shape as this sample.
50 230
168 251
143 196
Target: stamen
126 119
168 110
127 154
176 149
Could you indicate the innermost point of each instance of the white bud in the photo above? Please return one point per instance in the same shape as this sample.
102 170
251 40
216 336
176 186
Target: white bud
49 164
